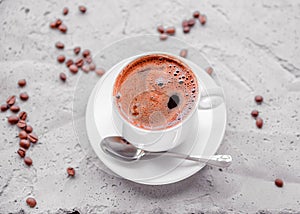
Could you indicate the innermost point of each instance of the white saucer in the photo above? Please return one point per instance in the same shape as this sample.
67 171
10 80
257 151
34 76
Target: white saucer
164 169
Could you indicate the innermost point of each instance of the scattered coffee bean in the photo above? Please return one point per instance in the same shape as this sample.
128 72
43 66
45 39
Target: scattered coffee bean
22 115
76 50
61 58
21 152
163 36
71 171
85 68
53 25
63 28
88 59
28 129
171 30
82 9
4 107
258 99
186 29
31 202
59 45
196 14
79 62
22 82
13 119
63 77
11 100
65 11
160 29
69 62
183 53
254 113
278 182
33 138
15 109
202 19
209 70
191 22
259 122
28 161
73 68
23 134
24 96
58 22
92 66
24 144
86 53
185 23
100 71
21 124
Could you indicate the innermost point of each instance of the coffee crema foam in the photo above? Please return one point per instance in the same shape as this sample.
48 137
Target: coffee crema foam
155 91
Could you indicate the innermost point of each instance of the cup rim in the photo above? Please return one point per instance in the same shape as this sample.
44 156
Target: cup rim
195 107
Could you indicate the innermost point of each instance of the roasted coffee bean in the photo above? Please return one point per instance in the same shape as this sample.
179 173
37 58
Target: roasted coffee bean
28 129
73 68
13 119
209 70
63 28
22 82
85 68
185 23
86 53
100 71
278 182
4 107
160 29
186 29
79 62
76 50
258 99
21 124
59 45
11 100
24 96
53 25
31 202
88 59
171 30
163 36
183 53
24 143
196 14
92 66
21 152
22 115
15 109
61 58
65 11
82 9
69 62
254 113
58 22
33 138
28 161
191 22
71 171
202 19
63 77
259 122
23 134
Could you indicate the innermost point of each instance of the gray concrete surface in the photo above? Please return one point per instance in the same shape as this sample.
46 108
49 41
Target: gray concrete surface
254 45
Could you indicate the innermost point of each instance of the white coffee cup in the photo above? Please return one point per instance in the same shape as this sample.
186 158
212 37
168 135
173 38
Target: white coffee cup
168 138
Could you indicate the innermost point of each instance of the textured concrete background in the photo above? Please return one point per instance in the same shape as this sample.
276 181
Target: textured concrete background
254 45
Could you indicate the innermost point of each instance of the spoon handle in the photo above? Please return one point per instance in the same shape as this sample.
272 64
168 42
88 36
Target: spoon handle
214 160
